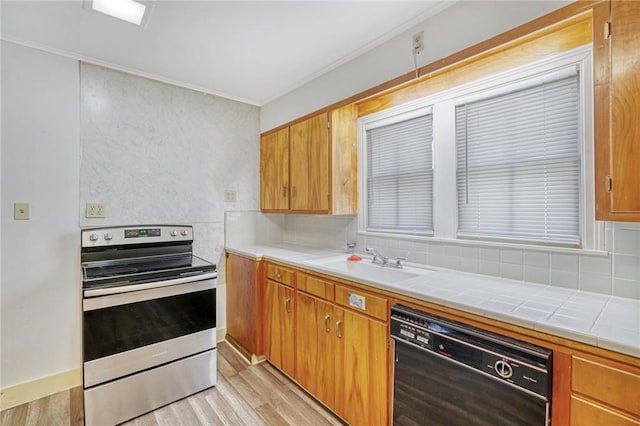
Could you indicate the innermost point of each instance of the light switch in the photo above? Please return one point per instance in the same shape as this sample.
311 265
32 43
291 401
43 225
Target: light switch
21 211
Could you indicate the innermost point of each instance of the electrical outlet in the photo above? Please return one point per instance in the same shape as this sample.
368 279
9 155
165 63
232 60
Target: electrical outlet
95 210
230 196
21 211
417 42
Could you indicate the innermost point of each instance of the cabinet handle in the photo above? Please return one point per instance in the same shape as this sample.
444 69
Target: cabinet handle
326 323
293 191
284 191
338 331
277 275
287 305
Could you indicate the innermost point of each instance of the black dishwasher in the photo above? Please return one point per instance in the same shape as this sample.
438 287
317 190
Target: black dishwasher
448 373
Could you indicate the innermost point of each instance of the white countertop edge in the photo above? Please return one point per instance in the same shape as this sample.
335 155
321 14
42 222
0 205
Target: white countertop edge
296 257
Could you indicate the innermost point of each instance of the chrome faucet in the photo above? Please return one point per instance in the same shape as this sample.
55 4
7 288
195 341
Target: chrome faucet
384 260
377 257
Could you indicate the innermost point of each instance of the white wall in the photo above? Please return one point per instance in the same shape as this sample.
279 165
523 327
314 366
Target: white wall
157 153
152 152
40 257
457 27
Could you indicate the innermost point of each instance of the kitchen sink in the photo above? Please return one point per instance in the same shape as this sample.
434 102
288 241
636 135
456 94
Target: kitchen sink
368 271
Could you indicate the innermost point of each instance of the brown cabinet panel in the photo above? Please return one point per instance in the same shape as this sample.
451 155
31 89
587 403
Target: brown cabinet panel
280 274
274 171
315 286
309 146
607 384
344 160
586 413
314 347
279 326
361 369
617 108
375 306
244 302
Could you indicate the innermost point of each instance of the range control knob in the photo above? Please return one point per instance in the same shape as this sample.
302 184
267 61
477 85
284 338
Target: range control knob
108 236
503 369
93 237
174 233
185 232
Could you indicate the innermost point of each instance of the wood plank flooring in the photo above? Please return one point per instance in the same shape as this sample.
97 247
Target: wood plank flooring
244 395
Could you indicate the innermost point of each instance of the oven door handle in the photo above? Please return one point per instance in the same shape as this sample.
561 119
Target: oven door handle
134 293
145 286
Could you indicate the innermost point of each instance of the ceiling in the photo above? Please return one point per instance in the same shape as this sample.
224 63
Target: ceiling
251 51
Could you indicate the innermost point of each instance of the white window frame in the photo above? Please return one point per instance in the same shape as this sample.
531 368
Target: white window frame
442 106
374 122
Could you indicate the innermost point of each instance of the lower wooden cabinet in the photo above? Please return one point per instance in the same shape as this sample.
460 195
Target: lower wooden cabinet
244 303
585 413
279 308
604 393
341 354
315 344
361 368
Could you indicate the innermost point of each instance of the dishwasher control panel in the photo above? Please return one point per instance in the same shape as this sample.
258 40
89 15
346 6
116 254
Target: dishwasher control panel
517 363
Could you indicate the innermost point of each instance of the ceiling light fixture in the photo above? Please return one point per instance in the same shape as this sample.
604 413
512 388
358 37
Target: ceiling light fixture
127 10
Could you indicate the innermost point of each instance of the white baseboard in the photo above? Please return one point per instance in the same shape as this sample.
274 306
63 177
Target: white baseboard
29 391
221 333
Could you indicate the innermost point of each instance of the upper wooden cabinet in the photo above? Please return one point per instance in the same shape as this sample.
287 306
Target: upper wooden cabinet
617 108
274 171
311 166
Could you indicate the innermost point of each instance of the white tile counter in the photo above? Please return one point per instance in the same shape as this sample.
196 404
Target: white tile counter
608 322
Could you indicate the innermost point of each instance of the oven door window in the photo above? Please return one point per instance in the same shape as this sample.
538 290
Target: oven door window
116 329
429 389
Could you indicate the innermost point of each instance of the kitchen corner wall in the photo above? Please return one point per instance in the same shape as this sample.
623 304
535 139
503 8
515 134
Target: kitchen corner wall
152 153
156 153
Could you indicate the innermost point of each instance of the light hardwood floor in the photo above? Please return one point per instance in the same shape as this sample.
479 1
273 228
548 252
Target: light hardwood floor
244 395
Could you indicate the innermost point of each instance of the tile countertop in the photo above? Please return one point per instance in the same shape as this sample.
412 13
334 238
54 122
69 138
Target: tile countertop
608 322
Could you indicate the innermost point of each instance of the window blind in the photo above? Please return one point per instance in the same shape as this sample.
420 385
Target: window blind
400 176
518 164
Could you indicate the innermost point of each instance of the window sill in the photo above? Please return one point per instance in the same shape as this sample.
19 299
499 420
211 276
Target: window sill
491 244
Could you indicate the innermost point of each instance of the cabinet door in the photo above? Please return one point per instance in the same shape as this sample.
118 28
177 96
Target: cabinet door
585 412
278 326
617 108
243 302
361 368
274 171
314 347
310 165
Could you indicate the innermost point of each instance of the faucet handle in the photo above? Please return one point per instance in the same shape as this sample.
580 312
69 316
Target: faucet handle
398 263
370 250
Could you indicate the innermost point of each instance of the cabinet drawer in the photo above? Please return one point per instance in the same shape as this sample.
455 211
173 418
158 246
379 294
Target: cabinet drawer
315 286
613 386
375 306
280 274
587 413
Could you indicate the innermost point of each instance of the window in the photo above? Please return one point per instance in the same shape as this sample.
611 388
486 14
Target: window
400 174
518 164
505 159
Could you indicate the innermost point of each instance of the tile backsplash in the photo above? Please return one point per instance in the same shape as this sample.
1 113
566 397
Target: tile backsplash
617 273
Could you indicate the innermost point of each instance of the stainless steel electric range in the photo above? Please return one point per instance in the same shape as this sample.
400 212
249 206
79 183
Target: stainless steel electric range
149 320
